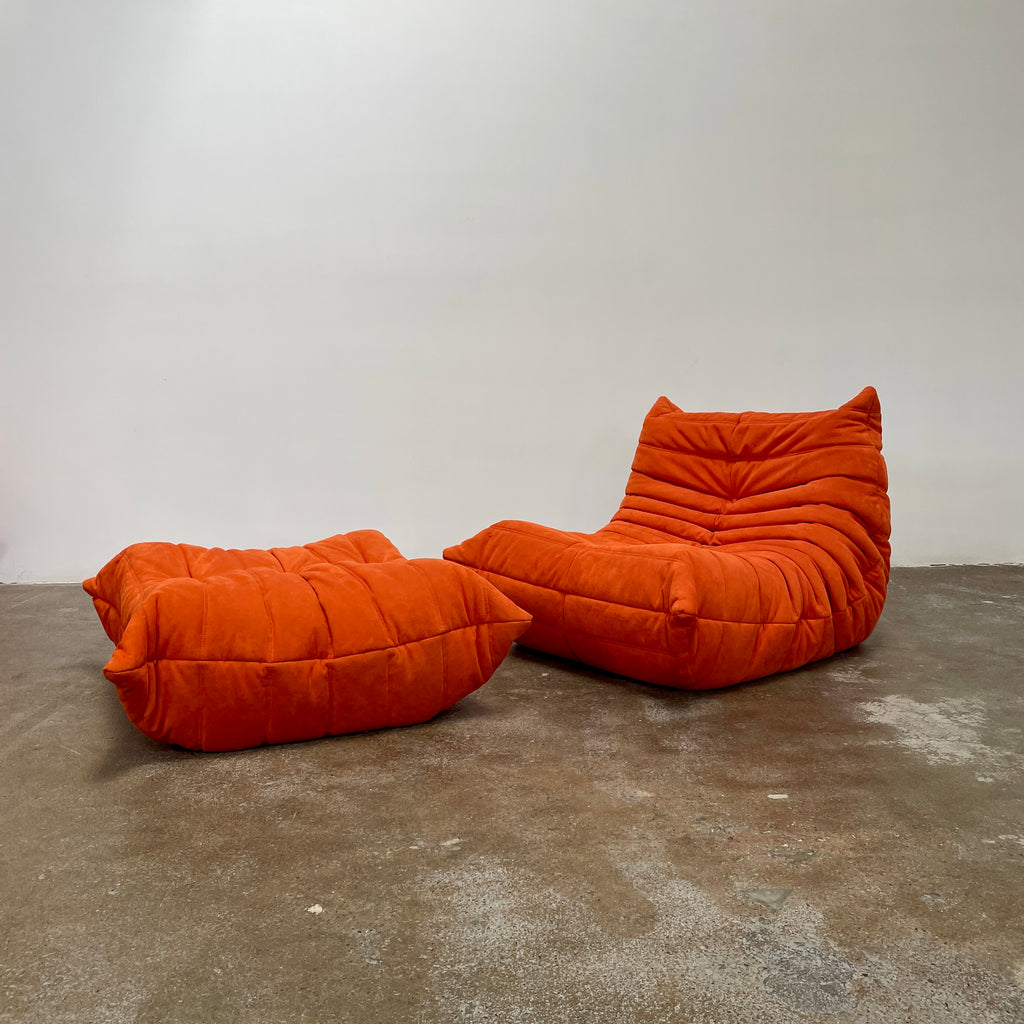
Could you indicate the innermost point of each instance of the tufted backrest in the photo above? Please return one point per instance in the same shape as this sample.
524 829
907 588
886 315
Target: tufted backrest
744 478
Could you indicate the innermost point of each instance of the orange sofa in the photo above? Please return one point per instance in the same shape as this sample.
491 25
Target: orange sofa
219 650
746 544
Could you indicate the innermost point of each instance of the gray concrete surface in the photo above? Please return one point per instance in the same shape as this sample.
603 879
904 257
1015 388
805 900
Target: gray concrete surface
845 842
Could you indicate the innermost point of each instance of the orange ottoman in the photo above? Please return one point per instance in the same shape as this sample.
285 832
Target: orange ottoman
222 649
746 544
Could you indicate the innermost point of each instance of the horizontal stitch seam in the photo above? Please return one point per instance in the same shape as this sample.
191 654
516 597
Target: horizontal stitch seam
618 549
719 536
691 454
668 505
783 507
337 657
662 611
873 484
750 622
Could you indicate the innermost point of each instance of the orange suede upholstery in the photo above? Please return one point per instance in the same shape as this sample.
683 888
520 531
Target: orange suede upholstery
220 650
746 544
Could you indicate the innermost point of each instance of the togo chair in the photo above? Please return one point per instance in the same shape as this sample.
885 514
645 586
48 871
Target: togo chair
219 650
746 544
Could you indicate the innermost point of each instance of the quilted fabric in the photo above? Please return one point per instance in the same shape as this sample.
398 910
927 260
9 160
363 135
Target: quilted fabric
746 544
224 649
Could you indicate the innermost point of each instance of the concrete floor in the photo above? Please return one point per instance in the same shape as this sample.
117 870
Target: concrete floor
843 842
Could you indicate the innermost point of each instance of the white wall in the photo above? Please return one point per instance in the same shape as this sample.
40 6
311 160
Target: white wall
271 271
